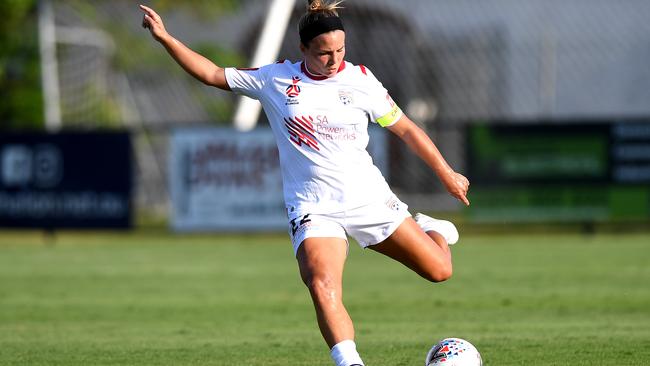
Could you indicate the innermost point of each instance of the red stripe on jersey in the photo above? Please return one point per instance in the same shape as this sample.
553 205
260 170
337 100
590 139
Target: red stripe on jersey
306 124
299 139
363 69
300 134
301 128
248 68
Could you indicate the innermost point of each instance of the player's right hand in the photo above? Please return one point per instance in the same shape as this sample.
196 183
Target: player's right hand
152 21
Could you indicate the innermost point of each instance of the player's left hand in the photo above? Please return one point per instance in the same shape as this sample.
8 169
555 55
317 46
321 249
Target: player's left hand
457 185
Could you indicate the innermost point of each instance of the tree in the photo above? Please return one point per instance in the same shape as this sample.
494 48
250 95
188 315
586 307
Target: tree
21 99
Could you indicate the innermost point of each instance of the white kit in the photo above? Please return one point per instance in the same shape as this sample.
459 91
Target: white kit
321 128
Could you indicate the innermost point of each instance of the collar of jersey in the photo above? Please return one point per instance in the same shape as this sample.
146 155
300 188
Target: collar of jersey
304 70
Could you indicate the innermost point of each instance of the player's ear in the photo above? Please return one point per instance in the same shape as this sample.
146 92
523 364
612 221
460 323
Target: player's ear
303 49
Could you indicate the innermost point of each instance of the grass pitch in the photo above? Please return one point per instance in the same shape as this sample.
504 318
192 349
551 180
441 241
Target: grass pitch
145 298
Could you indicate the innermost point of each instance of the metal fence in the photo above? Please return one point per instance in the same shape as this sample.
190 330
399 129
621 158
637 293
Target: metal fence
445 62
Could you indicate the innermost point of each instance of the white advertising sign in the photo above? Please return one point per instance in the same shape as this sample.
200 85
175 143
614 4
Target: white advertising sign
222 179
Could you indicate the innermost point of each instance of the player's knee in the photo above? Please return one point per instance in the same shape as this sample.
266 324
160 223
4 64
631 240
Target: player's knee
322 288
439 272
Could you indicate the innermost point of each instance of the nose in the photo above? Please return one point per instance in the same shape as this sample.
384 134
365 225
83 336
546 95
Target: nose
337 58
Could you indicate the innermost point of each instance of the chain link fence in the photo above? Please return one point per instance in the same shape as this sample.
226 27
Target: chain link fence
446 63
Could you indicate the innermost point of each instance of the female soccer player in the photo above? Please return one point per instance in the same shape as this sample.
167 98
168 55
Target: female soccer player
319 109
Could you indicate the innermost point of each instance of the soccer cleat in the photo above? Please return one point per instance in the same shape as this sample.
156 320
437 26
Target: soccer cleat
443 227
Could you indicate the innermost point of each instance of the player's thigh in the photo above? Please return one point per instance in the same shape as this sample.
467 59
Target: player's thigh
322 259
414 248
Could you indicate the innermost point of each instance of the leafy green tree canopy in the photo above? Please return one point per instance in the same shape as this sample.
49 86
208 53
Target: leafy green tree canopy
21 101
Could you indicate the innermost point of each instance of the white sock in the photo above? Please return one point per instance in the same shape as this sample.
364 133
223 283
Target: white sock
345 354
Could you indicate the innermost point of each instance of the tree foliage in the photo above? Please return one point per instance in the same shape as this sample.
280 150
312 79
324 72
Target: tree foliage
21 96
21 100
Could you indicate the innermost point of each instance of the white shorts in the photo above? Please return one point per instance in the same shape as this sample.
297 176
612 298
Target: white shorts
368 225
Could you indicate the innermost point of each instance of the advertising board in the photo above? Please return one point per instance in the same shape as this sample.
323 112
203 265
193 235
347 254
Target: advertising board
570 171
65 180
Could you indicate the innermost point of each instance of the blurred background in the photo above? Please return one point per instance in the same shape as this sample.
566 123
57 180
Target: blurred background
543 104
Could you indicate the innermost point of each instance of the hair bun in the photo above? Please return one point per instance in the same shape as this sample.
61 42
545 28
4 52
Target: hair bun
317 6
314 5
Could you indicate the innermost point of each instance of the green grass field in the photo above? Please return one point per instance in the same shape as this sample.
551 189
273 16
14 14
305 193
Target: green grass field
148 298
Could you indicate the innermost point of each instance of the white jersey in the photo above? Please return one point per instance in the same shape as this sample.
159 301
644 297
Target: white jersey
321 128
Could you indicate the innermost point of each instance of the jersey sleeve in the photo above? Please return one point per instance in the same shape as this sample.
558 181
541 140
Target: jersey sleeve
382 109
247 81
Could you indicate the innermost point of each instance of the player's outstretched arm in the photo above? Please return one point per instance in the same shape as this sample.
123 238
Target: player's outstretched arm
196 65
418 141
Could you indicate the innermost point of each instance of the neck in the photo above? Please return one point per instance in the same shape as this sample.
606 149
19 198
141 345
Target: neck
311 72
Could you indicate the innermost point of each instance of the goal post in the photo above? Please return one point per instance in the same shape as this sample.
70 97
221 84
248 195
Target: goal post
268 47
49 66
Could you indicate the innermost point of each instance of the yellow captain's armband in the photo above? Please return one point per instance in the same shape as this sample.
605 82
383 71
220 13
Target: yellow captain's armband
390 117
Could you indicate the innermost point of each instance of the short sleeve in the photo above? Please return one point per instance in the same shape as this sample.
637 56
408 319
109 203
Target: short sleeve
247 81
382 109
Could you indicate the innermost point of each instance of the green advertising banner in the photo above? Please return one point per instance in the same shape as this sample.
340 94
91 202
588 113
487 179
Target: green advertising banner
559 172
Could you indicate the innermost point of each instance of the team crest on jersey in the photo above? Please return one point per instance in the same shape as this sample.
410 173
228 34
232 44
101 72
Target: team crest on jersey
345 96
293 90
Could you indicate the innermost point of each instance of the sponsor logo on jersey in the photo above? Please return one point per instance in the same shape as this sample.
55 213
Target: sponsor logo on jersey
301 131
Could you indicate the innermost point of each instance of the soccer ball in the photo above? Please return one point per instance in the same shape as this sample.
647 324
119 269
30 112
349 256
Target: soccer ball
453 352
